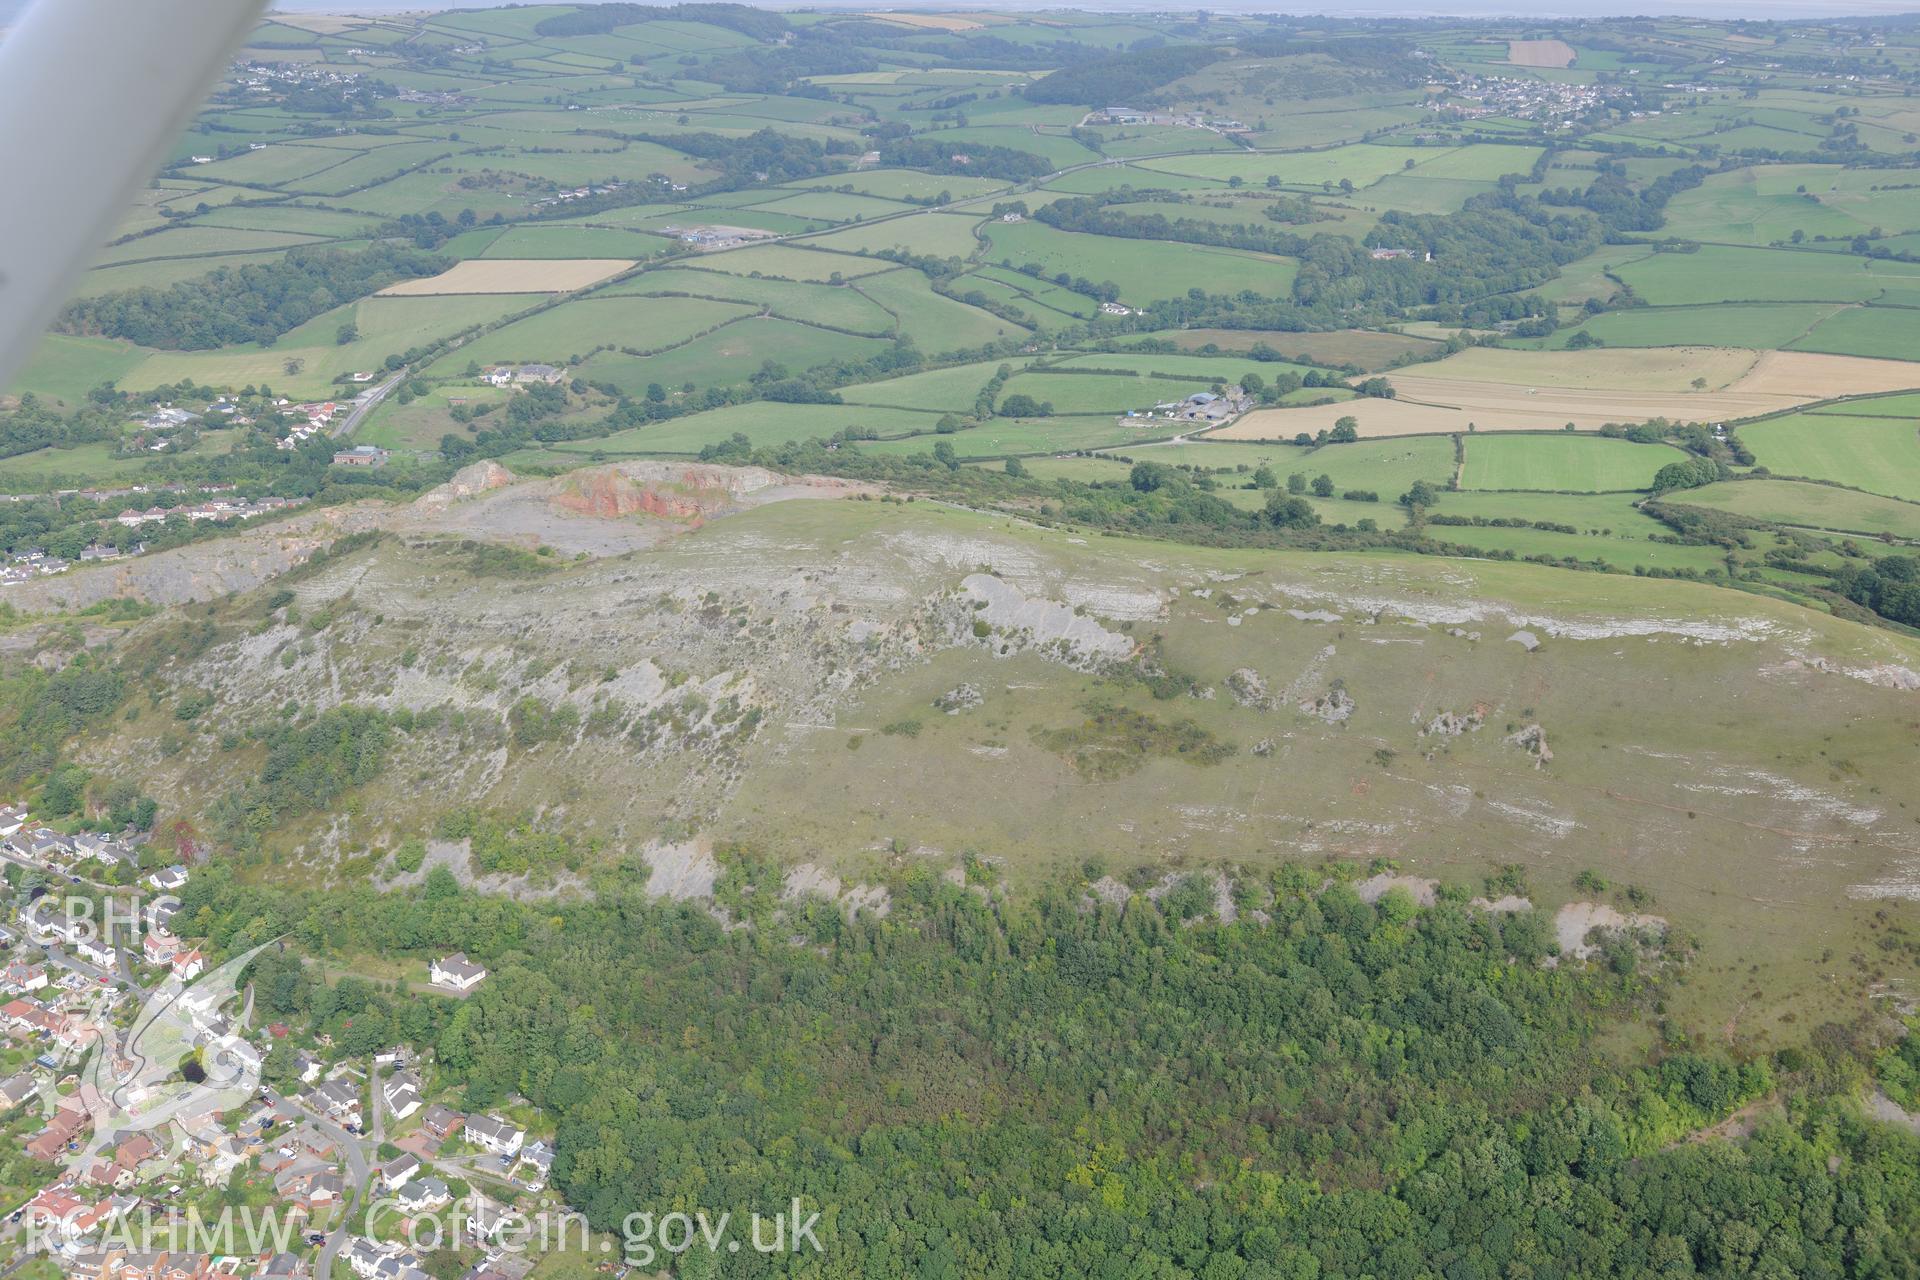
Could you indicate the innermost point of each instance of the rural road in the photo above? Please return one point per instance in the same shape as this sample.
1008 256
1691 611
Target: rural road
363 404
355 1152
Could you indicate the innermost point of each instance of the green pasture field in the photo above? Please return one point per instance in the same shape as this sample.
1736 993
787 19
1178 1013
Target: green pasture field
388 326
1562 461
1414 194
1717 274
295 219
1581 546
418 425
792 263
1362 163
730 355
1006 437
1815 506
1144 270
1892 333
836 306
890 184
950 390
1204 371
426 192
638 217
1334 119
1098 393
1598 515
577 327
1136 140
1057 149
573 242
1762 326
1387 467
1239 209
1880 455
211 243
90 465
370 168
1227 455
518 23
834 206
1481 162
934 322
160 274
1109 177
940 235
66 368
631 163
1586 277
1034 293
1367 348
763 422
1096 469
1740 208
277 164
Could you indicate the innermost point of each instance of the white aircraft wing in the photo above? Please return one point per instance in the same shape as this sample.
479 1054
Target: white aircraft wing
92 92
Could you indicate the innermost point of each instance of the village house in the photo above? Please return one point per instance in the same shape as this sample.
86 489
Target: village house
96 952
12 818
323 1192
283 1266
424 1195
122 1264
188 965
339 1099
23 1018
361 455
122 1168
484 1220
60 1212
219 1155
69 1123
159 914
24 976
397 1172
441 1121
169 879
16 1089
403 1096
538 1159
490 1133
456 972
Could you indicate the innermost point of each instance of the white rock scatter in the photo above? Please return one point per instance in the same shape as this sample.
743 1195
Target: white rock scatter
1043 624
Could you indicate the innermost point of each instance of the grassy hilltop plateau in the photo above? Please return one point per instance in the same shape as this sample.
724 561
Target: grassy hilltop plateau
1160 646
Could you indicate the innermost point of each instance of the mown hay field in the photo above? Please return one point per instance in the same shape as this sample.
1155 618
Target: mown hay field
1540 53
512 275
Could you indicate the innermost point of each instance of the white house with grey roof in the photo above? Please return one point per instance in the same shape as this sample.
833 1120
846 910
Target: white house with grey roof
456 972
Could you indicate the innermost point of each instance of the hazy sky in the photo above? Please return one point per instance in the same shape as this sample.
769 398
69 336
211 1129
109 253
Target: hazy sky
1371 8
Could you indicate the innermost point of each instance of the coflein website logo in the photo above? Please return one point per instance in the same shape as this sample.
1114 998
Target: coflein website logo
180 1063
